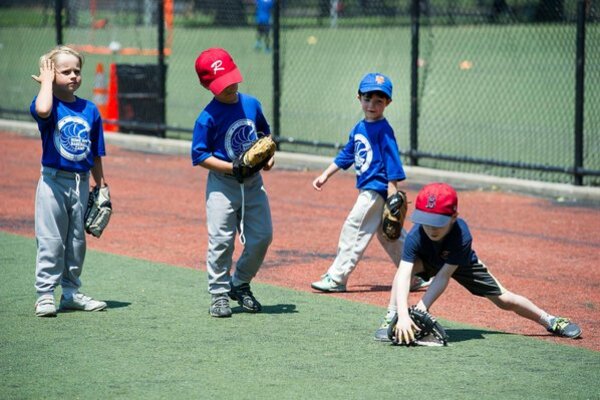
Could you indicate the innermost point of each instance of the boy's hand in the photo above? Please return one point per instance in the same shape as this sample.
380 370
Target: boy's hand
320 181
405 329
46 72
269 164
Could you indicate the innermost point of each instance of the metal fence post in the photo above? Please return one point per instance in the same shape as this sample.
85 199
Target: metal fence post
414 83
579 93
162 92
276 71
58 7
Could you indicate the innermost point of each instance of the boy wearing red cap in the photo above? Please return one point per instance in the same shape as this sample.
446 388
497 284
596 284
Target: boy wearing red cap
439 244
226 127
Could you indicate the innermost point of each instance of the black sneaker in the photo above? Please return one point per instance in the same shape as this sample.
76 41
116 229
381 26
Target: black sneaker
219 306
564 327
243 295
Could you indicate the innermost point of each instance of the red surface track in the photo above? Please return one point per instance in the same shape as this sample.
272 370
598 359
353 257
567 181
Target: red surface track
544 250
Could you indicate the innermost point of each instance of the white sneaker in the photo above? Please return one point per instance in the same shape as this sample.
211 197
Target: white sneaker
326 284
417 283
44 306
80 301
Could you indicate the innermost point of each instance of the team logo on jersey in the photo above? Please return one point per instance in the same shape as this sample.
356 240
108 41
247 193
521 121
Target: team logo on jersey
240 135
363 154
72 138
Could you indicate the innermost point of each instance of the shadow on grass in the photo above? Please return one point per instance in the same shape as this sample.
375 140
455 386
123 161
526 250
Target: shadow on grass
273 309
117 304
461 335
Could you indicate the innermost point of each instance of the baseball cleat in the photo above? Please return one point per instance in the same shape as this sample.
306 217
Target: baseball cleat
326 284
44 306
565 328
417 283
381 332
243 295
81 302
219 306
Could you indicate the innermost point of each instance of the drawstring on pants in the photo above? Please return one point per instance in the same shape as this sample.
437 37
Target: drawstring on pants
77 181
242 237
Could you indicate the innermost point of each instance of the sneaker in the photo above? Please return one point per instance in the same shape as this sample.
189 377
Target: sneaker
44 306
326 284
219 306
381 332
81 302
417 283
243 295
564 327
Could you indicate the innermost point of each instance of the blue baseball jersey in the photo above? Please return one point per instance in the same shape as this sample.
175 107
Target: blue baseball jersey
71 136
263 11
226 130
455 248
373 150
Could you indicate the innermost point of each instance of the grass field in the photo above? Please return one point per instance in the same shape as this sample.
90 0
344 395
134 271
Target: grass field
156 340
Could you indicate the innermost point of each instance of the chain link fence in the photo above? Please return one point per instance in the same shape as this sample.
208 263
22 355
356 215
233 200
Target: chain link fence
495 79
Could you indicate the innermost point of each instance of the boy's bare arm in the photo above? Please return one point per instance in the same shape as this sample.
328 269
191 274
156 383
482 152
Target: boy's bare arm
437 287
405 326
325 175
98 172
214 164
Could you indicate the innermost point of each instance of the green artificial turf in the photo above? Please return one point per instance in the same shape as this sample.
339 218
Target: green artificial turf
156 340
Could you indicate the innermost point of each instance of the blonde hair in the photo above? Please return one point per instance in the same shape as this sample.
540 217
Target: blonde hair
53 54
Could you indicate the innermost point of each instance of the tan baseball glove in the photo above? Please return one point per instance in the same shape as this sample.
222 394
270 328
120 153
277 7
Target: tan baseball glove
394 213
254 158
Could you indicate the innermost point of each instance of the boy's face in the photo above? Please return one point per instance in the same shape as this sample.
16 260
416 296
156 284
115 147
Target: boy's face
67 74
228 95
373 105
438 233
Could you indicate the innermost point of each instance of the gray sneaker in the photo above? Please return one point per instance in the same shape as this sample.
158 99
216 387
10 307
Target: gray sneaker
44 306
219 306
81 302
326 284
381 334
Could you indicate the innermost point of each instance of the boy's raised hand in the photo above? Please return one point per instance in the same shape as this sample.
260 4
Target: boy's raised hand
46 72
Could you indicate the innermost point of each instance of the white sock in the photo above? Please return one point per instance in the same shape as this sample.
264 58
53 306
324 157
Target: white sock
391 312
546 320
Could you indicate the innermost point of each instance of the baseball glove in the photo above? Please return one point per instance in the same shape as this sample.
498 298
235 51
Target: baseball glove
394 213
430 332
98 211
254 158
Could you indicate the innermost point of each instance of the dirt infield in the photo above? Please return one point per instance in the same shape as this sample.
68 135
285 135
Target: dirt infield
545 250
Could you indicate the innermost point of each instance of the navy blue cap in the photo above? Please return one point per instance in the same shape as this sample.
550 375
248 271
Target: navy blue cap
376 82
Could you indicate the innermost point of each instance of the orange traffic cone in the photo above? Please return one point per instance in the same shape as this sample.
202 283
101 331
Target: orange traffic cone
100 92
112 105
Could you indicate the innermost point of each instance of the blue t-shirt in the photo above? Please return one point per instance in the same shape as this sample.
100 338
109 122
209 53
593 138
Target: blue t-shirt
454 249
373 150
263 11
226 130
71 136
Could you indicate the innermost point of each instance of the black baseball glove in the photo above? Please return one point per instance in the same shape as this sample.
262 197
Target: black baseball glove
254 158
394 213
430 332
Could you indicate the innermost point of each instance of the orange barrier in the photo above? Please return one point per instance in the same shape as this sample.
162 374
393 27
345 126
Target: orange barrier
100 91
112 105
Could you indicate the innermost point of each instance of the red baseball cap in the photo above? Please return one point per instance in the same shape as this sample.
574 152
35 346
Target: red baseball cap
216 70
435 205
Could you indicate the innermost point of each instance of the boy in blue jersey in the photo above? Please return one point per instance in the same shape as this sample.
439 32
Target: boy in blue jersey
263 24
373 150
226 127
72 146
440 244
